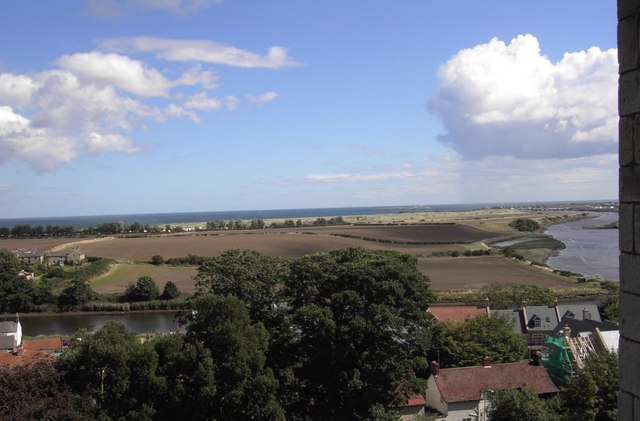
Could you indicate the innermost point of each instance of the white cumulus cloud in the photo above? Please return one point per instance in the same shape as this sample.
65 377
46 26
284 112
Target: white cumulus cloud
263 98
510 100
205 51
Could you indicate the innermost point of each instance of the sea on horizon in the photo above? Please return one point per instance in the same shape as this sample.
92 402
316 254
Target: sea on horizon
188 217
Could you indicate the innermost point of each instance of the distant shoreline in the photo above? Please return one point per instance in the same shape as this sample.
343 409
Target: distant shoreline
172 218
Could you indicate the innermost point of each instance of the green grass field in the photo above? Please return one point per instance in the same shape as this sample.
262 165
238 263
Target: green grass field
125 273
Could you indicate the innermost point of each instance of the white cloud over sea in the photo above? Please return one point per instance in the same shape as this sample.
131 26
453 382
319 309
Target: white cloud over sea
509 99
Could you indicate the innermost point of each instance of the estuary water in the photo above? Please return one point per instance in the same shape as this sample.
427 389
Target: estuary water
589 250
69 323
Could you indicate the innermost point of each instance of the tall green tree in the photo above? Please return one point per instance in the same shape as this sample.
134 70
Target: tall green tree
592 394
115 371
245 388
145 289
38 392
170 291
251 276
76 294
465 343
187 372
519 405
362 331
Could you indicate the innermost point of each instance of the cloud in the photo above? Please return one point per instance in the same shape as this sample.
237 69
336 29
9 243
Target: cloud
200 51
43 149
449 178
357 177
202 101
263 98
130 75
510 100
113 8
99 143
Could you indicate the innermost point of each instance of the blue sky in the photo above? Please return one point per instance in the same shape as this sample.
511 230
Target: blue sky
141 106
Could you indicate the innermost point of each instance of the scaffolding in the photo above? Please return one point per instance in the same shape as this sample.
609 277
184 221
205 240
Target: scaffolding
557 359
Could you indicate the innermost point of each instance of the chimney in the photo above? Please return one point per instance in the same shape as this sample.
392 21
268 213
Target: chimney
486 362
536 358
435 367
566 330
586 314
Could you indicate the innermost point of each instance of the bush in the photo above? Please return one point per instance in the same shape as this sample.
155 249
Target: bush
157 260
525 225
145 289
170 291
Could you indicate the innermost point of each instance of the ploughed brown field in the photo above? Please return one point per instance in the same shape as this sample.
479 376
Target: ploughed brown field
287 243
461 273
445 273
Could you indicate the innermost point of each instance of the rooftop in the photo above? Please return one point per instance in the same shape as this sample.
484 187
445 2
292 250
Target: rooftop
467 383
456 313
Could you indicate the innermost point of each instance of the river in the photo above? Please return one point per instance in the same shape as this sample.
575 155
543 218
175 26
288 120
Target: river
69 323
590 251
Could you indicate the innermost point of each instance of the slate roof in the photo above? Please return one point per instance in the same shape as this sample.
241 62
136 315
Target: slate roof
467 383
44 344
577 310
513 316
578 326
7 342
547 316
8 327
456 313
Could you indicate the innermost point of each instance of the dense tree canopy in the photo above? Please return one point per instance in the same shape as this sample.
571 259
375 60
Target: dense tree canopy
525 224
465 343
245 387
170 291
592 394
38 392
115 371
363 332
145 289
248 275
519 405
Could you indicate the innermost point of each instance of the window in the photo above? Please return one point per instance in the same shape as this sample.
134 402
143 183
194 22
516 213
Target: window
535 321
537 339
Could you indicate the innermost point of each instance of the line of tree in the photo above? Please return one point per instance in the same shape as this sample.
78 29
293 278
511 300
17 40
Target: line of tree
119 228
19 294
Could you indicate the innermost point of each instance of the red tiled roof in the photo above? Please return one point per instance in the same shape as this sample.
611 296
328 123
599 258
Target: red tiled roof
467 383
46 344
416 400
458 313
28 357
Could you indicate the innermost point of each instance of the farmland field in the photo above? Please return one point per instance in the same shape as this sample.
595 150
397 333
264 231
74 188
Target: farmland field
462 273
284 243
124 273
462 231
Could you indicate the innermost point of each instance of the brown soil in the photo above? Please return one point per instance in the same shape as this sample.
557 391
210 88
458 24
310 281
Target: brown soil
276 243
464 273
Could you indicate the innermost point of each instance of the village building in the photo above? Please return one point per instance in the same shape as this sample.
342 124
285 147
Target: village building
462 394
457 313
11 331
28 256
68 257
53 345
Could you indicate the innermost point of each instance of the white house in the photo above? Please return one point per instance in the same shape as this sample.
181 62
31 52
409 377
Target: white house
14 329
462 394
